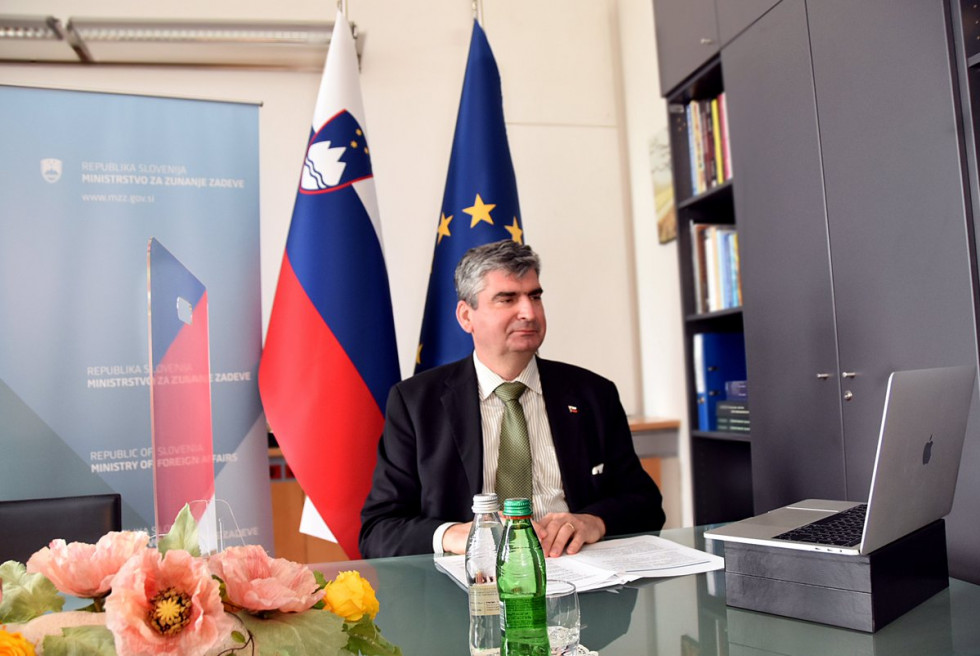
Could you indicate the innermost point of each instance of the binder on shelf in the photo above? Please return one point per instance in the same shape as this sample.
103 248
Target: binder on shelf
718 359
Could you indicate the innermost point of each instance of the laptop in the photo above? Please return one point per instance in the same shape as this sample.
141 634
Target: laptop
923 427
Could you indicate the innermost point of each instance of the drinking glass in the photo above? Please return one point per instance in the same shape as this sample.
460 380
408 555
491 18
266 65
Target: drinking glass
563 617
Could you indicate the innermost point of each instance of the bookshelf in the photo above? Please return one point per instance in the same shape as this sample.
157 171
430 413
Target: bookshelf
711 290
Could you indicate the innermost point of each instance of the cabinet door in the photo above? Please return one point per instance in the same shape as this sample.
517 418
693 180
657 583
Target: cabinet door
895 202
687 37
733 17
788 310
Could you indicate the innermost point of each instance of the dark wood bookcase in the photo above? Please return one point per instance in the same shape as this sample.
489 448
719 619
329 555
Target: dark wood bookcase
720 461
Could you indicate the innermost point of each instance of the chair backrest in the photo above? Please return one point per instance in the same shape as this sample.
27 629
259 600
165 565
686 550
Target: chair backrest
27 525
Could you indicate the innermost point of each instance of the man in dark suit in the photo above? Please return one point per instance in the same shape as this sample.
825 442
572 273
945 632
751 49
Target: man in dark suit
442 430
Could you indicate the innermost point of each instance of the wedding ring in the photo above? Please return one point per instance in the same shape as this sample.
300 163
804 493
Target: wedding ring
571 526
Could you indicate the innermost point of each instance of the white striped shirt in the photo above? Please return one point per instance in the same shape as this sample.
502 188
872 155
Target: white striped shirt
548 493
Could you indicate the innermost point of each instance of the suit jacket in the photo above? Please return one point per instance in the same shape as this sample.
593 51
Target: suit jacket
430 459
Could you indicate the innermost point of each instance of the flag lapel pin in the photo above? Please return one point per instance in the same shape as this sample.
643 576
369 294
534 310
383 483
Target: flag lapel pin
573 409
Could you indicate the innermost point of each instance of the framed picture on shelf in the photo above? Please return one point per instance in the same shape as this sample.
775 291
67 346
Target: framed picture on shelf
663 187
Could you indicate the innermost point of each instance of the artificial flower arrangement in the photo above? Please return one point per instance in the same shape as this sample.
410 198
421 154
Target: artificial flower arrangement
171 601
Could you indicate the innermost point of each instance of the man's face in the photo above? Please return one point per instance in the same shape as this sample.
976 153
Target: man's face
509 316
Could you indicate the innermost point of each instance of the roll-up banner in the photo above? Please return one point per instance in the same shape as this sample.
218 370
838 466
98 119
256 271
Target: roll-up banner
89 181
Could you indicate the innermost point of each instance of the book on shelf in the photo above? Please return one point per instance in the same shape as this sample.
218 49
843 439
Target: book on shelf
715 263
726 151
732 414
696 148
717 150
737 409
708 147
737 390
736 273
718 358
728 427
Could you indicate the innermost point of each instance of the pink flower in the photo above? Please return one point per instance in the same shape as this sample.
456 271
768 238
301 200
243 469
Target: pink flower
86 570
258 583
166 606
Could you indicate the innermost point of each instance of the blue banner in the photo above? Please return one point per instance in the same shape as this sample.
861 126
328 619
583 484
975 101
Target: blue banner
86 180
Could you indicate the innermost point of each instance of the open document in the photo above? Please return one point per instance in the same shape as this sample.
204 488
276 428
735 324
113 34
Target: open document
613 562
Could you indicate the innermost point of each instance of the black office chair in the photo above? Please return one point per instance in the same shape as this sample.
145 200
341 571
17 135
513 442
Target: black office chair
27 525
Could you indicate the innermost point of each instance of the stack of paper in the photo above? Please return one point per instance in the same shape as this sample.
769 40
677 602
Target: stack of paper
613 562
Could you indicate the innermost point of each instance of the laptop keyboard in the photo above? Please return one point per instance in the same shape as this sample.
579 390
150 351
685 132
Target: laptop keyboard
843 529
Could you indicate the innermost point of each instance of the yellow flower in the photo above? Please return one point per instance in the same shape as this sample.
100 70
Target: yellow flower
351 596
13 644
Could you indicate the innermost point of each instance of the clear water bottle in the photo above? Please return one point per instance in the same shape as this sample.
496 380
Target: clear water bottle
481 575
521 580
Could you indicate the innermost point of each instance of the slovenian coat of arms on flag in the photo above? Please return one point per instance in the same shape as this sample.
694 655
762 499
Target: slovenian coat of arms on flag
330 354
479 204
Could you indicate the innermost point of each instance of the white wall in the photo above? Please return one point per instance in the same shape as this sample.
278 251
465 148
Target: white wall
658 287
581 102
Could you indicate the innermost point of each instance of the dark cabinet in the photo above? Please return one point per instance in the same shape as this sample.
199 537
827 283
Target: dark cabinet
690 32
895 203
853 132
736 15
963 530
687 37
855 249
789 319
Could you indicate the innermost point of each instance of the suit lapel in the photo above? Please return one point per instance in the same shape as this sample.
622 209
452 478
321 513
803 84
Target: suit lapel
566 420
461 402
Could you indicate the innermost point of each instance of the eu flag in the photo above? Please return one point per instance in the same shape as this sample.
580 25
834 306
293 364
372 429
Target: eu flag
330 356
479 205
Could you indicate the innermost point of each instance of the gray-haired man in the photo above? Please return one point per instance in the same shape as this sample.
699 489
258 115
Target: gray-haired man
442 430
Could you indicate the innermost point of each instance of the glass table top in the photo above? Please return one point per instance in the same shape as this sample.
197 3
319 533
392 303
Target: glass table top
424 611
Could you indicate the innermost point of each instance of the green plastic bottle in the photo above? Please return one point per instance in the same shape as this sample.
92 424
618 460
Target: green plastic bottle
521 580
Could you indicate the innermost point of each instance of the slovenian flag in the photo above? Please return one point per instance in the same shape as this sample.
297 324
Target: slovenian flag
330 354
479 204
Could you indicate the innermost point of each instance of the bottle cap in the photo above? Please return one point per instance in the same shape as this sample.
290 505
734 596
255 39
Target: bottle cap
517 507
485 503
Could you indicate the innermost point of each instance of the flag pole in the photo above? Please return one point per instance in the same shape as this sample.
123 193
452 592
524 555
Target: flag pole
478 11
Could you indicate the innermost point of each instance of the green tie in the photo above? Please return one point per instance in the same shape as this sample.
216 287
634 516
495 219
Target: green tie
514 460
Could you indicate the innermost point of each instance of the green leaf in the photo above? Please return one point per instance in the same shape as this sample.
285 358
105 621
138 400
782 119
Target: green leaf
26 596
366 639
80 641
183 534
321 583
312 633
